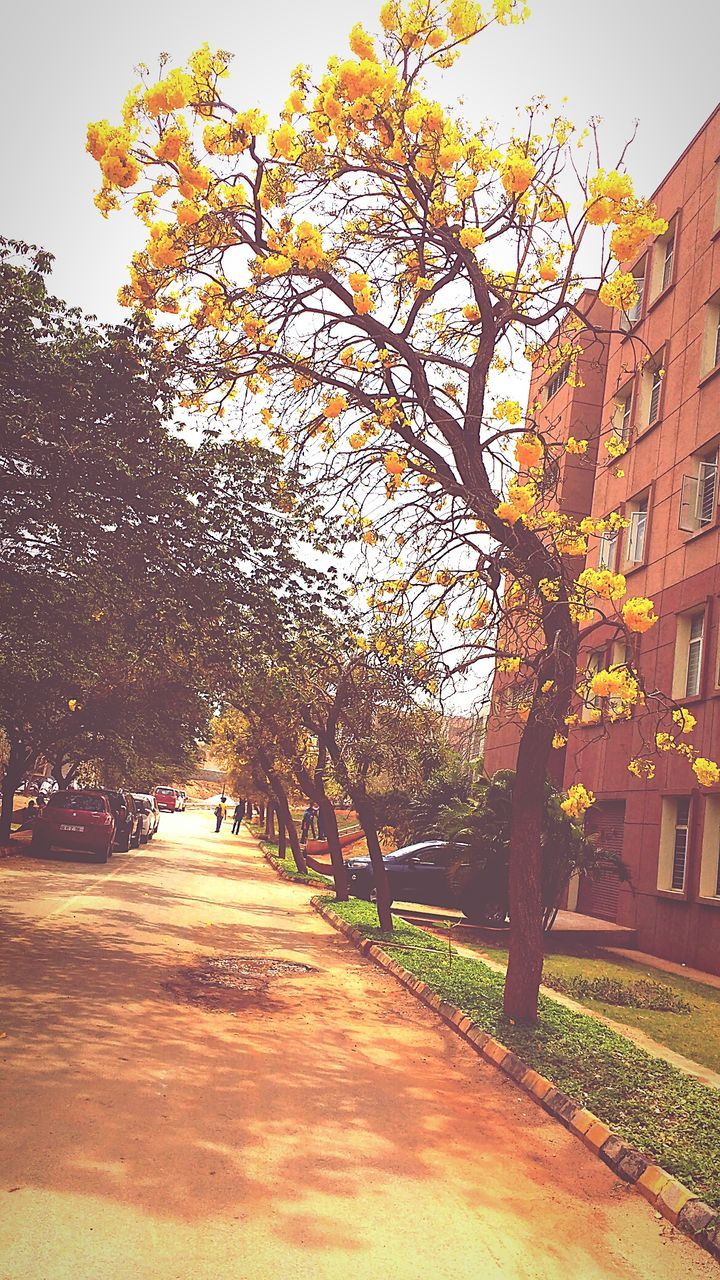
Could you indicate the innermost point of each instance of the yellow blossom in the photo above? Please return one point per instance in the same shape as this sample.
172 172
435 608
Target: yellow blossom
684 719
638 614
471 237
706 771
641 767
577 801
528 451
575 446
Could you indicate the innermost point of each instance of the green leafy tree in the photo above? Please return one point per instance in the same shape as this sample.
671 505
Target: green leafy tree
131 559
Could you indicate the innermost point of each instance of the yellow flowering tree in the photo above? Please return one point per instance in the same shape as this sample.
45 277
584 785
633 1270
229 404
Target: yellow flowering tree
355 279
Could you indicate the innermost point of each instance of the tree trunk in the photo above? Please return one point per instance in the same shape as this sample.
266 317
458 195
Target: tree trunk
366 814
282 837
332 835
285 815
313 786
525 963
270 820
13 773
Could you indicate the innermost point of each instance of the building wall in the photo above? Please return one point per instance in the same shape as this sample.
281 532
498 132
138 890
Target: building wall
679 569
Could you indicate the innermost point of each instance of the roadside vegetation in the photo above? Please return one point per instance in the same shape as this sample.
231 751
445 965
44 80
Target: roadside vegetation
657 1108
287 866
695 1033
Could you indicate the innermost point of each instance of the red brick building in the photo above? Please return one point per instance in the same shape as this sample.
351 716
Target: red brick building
667 828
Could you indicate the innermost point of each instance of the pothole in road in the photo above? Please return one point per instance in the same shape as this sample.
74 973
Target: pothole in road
231 983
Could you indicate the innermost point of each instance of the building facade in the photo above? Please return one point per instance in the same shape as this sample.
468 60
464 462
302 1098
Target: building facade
660 391
666 485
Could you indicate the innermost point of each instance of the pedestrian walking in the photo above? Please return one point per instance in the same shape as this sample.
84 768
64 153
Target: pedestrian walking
319 821
238 816
220 812
309 825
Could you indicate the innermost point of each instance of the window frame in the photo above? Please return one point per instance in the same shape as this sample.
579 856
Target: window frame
694 490
563 373
710 356
612 541
709 886
633 508
681 655
668 841
639 273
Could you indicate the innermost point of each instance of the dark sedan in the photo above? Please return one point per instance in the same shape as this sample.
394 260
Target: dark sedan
419 873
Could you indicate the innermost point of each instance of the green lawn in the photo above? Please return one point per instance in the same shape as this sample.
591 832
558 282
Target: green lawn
696 1034
668 1115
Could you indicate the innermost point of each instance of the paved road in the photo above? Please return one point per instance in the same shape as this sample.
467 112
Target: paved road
328 1128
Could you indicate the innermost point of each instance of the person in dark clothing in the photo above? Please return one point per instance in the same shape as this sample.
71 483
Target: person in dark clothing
309 825
238 815
29 815
220 813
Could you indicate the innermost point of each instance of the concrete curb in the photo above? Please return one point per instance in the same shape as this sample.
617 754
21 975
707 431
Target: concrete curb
668 1197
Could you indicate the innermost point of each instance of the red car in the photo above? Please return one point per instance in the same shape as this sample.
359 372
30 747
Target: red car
81 820
166 798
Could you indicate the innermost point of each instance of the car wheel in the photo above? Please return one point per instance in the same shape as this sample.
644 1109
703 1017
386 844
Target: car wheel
40 847
102 855
493 916
123 842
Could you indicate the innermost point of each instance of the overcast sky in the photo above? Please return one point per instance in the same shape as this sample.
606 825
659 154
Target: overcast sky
70 62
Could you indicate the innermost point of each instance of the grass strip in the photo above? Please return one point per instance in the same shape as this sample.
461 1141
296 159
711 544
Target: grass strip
672 1118
287 865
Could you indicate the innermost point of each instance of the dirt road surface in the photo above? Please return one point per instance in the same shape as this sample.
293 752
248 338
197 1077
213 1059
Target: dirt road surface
321 1125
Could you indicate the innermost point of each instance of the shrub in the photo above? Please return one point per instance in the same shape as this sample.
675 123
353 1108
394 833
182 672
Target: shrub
641 993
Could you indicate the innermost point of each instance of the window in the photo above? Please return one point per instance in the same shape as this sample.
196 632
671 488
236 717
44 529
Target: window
558 379
632 316
674 843
710 854
635 537
687 667
655 389
663 259
607 551
711 344
622 415
694 657
680 845
650 393
698 494
591 702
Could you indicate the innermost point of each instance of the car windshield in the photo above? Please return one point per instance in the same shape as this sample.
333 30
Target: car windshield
76 800
164 791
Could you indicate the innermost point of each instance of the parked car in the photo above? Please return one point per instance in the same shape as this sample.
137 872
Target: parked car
144 806
155 812
420 873
127 820
167 799
82 820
